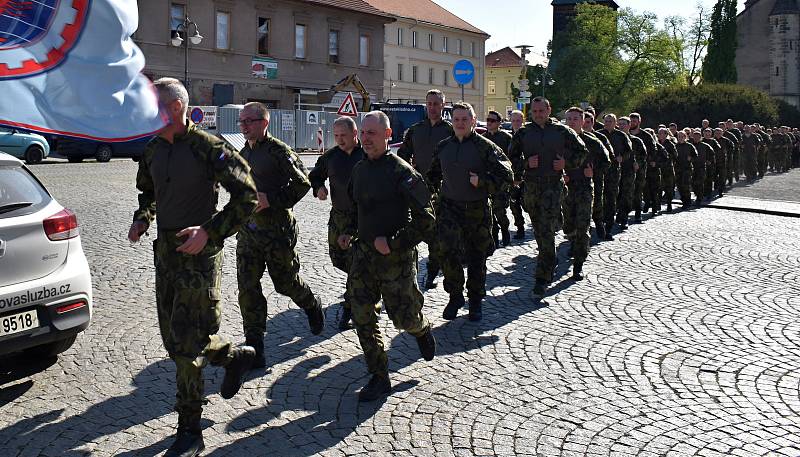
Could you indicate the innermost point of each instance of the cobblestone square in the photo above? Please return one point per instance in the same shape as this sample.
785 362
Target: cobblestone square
683 340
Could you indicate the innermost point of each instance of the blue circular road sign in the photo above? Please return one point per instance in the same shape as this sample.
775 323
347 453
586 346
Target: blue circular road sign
196 115
463 72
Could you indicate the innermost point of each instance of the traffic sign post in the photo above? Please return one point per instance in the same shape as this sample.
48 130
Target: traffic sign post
463 73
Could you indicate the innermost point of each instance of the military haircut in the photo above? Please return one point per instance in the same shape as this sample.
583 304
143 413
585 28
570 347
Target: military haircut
672 124
495 113
516 111
611 116
170 89
575 109
541 100
382 118
347 122
257 108
588 115
590 110
465 106
437 93
635 116
625 118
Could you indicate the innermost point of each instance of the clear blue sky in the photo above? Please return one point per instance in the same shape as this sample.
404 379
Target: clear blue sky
513 22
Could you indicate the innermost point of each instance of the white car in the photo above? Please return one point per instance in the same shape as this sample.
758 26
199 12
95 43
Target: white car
45 284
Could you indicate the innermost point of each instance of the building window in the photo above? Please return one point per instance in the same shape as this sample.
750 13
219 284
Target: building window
177 12
492 89
414 74
445 78
458 46
430 75
491 108
399 72
363 50
444 44
223 30
263 35
333 46
413 39
399 36
472 49
430 41
777 71
300 41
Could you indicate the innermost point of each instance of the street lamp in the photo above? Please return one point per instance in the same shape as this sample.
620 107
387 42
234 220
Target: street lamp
545 80
391 84
177 41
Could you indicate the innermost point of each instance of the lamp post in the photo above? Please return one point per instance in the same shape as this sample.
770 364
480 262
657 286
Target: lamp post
545 80
177 41
524 50
391 84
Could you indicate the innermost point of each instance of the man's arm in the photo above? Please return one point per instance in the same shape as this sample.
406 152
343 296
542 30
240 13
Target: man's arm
575 147
298 186
515 154
233 173
147 198
498 176
434 175
406 150
319 174
415 192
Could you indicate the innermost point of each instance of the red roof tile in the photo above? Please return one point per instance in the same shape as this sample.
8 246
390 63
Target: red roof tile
505 57
425 11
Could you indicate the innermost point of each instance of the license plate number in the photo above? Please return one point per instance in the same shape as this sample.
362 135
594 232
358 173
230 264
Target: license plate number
16 323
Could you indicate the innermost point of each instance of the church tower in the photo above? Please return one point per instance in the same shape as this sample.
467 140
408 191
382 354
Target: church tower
784 51
564 10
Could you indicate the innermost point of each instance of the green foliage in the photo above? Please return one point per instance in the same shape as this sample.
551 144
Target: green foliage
688 106
606 58
787 114
719 65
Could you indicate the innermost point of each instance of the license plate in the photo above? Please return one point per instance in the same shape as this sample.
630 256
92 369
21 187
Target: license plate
16 323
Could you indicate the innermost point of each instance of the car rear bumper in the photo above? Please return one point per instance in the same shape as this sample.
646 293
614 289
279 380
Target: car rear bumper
70 283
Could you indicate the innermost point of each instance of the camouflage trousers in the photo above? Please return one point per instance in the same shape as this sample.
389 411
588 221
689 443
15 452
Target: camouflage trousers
394 278
737 168
189 310
500 204
652 189
721 176
685 186
750 167
639 189
340 258
627 184
577 217
464 230
434 247
543 203
270 248
761 160
598 181
710 177
516 193
698 183
668 186
730 166
610 194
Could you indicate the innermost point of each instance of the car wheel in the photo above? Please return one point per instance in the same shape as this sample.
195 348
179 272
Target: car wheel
74 159
34 155
51 349
103 153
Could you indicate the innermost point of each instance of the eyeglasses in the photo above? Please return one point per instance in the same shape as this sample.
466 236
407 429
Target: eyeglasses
247 122
489 119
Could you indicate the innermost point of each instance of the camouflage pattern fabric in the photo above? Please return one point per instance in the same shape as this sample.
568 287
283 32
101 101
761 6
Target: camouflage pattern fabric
577 217
271 248
464 229
543 203
392 278
188 304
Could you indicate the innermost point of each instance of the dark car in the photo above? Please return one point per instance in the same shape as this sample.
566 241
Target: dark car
75 150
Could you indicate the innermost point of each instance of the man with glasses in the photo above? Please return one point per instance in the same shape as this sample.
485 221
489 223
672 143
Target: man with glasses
178 177
500 200
417 149
268 239
336 165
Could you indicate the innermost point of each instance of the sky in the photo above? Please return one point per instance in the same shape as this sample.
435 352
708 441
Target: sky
515 22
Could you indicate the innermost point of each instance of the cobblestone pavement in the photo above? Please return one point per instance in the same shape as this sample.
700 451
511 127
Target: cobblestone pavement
683 340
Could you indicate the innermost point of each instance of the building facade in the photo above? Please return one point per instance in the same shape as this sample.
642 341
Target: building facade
421 47
275 51
771 64
503 68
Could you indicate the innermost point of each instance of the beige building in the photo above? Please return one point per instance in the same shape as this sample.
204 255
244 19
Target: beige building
768 53
273 51
422 46
503 68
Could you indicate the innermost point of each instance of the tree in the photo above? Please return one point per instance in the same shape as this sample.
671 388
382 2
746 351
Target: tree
716 102
606 57
719 65
690 40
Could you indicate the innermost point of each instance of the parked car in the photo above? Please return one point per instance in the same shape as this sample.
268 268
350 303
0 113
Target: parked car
75 150
45 284
31 147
